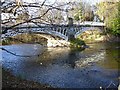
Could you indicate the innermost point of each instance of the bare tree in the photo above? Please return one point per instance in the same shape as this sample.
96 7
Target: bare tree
19 12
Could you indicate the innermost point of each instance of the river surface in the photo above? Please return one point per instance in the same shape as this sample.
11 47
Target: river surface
94 67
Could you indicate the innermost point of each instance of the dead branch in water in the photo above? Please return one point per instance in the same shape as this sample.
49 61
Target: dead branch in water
19 55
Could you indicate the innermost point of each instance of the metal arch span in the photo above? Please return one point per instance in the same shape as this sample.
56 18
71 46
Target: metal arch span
54 31
62 31
83 29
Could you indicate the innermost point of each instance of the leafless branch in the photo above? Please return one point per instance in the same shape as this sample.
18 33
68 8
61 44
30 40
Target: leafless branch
28 20
15 8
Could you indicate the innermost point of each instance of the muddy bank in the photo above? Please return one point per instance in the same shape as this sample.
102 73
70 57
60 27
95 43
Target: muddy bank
10 81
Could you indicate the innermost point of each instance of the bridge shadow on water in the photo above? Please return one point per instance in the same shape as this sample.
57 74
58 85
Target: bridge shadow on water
72 56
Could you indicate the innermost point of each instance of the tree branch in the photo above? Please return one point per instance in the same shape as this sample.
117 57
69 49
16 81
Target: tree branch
19 55
27 20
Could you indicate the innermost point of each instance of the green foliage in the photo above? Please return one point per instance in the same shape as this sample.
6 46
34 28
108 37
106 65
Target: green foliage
6 42
111 13
77 43
114 24
78 15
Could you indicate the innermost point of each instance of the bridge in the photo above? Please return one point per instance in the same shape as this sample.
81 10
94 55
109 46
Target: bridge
65 32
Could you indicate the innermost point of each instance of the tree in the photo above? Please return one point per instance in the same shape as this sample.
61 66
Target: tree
115 22
111 13
22 12
81 12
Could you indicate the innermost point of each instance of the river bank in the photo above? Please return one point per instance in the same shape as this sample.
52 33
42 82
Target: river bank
11 81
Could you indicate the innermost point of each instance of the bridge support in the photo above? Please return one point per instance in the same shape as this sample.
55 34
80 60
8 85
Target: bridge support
71 32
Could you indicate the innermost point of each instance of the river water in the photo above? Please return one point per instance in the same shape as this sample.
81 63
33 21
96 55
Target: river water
94 67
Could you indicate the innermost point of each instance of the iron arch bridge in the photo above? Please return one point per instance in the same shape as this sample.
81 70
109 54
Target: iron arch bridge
62 31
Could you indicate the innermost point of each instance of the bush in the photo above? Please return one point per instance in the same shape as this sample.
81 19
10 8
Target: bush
77 43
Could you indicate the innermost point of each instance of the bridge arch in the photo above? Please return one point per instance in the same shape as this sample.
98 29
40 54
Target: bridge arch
51 40
55 31
84 29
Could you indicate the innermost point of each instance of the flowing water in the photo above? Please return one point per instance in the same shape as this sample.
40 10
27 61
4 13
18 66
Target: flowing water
94 67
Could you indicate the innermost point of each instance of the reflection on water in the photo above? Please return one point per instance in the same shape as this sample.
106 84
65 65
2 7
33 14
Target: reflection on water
95 58
112 59
61 67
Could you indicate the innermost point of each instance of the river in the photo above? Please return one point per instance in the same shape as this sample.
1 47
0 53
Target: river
94 67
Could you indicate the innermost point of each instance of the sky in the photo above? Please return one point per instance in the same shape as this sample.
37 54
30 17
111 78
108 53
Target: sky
53 1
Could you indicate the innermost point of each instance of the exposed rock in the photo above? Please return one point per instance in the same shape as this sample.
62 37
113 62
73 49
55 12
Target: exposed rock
58 43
